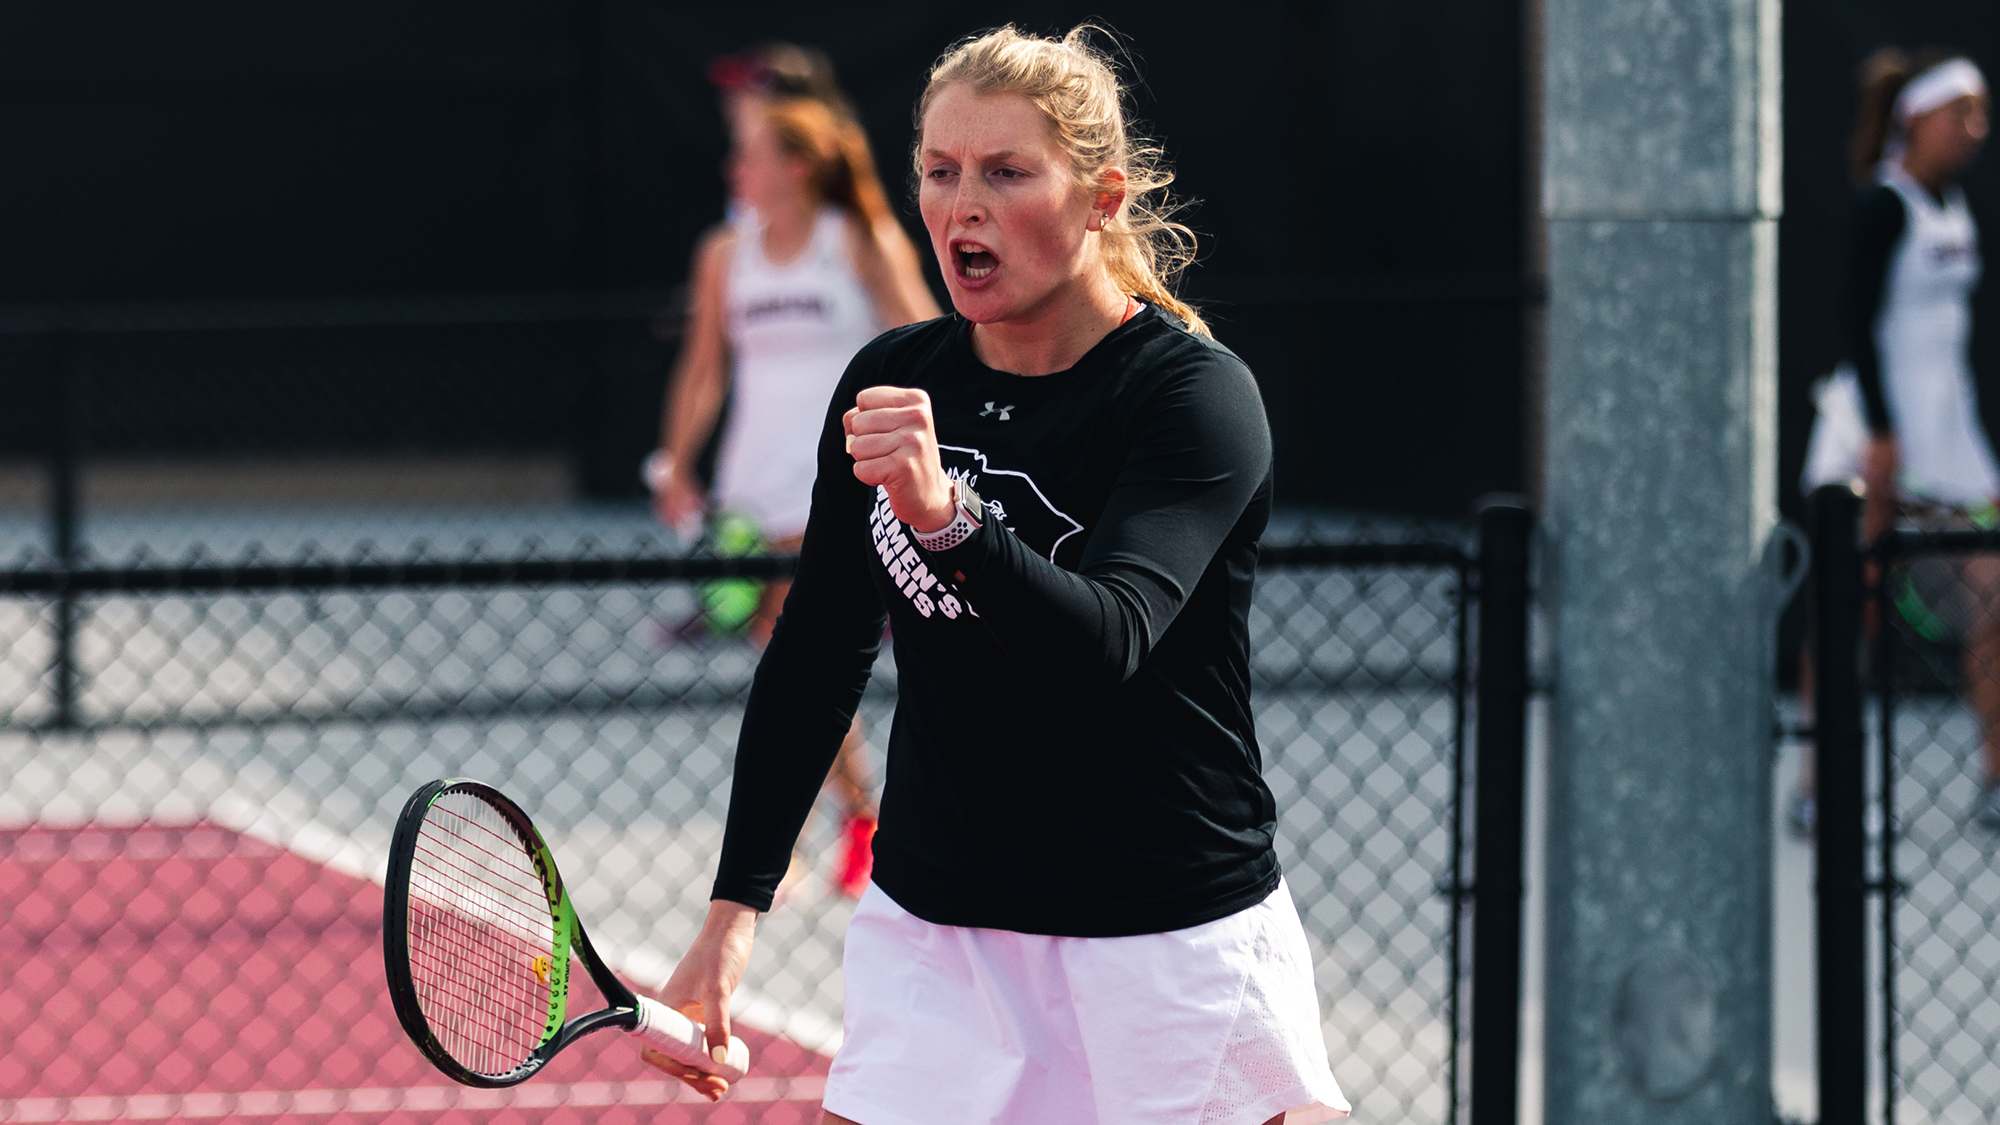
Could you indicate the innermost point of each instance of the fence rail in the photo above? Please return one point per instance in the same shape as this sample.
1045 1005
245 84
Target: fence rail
363 573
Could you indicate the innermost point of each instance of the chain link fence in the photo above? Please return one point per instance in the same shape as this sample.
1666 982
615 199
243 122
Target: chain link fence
203 778
1361 704
1941 978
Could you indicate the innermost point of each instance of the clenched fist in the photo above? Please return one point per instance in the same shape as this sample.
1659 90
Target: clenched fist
893 441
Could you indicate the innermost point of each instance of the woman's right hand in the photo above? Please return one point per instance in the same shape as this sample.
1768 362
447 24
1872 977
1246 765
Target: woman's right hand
678 503
702 985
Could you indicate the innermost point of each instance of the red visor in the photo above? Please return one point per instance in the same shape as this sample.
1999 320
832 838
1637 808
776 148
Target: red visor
733 72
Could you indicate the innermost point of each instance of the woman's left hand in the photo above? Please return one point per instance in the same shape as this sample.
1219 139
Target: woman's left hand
893 441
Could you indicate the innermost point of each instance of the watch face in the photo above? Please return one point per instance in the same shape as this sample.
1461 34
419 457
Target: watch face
974 506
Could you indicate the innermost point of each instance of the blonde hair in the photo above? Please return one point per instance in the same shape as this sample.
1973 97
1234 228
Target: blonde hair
1074 85
835 148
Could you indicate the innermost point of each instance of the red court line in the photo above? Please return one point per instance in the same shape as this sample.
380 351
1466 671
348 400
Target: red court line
177 962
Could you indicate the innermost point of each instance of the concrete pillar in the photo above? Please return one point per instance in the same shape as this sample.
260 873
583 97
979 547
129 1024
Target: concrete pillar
1661 192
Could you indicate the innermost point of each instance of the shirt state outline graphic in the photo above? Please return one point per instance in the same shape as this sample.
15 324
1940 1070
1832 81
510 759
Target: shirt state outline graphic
986 469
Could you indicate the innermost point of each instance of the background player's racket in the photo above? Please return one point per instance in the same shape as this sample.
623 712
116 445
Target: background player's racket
477 935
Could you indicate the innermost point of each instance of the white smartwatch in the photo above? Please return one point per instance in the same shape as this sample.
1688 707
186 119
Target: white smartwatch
970 514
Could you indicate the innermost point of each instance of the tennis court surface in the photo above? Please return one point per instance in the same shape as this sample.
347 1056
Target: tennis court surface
192 972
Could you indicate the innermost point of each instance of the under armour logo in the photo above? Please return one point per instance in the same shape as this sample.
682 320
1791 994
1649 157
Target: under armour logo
1000 410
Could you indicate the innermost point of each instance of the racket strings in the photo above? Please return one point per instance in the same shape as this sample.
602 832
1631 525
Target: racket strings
469 973
481 935
484 920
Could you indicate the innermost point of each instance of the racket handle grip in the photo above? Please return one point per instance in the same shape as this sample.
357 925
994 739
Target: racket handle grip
681 1039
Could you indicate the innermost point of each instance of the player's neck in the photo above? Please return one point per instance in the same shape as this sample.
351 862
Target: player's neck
1928 174
788 228
1060 329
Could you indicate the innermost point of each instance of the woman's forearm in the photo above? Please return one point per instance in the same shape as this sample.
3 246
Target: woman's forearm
1878 507
807 686
701 373
726 917
693 404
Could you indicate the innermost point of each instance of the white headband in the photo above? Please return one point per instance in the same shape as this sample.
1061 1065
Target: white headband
1942 84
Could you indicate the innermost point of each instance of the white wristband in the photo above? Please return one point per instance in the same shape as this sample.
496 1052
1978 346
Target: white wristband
950 535
657 472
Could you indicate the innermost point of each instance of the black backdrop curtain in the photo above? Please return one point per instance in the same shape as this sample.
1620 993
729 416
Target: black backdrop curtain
1357 165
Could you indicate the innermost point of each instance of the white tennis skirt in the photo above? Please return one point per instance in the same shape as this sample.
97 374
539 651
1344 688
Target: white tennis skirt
1217 1024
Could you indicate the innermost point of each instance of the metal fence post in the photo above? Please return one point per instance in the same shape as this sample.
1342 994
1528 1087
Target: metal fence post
65 455
1498 808
1840 879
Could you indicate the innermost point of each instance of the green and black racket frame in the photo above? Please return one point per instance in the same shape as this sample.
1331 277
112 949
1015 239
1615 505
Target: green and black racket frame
478 939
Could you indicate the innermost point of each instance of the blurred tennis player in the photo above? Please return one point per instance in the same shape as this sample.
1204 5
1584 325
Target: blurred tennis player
1902 414
1056 496
811 267
777 70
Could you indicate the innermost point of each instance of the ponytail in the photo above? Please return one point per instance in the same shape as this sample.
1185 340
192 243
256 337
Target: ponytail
853 185
843 170
1883 76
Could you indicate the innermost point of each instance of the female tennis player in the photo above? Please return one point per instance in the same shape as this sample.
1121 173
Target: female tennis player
812 268
1056 496
1902 413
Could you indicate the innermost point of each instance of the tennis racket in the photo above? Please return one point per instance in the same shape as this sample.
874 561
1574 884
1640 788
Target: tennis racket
478 934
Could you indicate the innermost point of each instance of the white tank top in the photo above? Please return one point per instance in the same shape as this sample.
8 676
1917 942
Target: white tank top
1922 334
792 329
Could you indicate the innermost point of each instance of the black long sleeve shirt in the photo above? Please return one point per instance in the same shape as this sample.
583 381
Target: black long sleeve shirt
1073 750
1877 226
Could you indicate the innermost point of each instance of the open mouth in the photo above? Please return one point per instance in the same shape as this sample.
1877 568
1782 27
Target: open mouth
974 261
